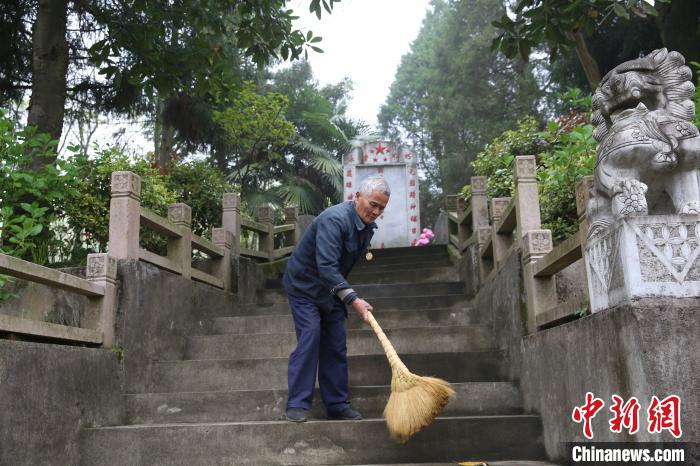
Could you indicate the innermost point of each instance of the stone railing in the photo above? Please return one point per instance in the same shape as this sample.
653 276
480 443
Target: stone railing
515 222
238 236
97 323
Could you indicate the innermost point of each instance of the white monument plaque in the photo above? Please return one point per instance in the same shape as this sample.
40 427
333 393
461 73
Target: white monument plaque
399 226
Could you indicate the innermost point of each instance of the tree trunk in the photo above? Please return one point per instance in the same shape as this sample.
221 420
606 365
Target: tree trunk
588 63
165 148
679 25
49 68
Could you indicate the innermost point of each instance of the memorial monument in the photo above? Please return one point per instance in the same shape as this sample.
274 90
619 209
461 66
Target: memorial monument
400 224
644 234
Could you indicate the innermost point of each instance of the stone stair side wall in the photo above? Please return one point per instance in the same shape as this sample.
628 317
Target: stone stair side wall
157 311
642 350
48 394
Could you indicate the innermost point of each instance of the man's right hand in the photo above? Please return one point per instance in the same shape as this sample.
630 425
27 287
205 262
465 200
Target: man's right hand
361 307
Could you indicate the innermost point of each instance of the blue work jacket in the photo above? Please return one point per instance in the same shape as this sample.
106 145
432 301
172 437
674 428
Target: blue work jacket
326 254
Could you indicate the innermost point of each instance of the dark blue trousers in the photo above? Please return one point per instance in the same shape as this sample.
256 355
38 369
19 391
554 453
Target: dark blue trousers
321 345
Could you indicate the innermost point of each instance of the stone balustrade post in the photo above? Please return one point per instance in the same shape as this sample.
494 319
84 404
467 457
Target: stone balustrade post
290 217
125 215
499 241
101 311
221 266
231 220
480 207
527 199
464 231
541 291
180 249
536 242
267 242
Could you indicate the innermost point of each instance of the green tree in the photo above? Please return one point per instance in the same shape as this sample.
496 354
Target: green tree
560 25
256 129
452 94
129 56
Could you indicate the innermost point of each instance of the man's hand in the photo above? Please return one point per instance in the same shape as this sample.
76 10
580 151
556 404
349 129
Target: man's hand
361 307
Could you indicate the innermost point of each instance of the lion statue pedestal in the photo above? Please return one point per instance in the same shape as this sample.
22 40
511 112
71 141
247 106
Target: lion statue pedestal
644 206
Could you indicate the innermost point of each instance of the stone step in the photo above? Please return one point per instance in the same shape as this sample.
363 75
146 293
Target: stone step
473 398
373 291
360 342
403 275
401 303
312 443
279 323
271 373
399 263
417 261
410 251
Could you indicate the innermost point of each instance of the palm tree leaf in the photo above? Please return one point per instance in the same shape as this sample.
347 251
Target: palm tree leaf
299 192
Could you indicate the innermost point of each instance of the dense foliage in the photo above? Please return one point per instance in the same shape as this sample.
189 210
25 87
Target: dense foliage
69 213
452 94
565 152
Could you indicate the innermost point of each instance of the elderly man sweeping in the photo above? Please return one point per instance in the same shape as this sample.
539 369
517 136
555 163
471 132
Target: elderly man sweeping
318 293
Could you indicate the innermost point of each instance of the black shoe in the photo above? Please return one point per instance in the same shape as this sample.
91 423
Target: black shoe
348 414
296 414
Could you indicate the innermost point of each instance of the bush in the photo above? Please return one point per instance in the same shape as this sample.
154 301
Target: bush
565 152
31 199
195 183
496 160
88 212
201 186
572 156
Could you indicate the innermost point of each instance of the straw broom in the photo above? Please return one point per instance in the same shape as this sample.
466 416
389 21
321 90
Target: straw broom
414 401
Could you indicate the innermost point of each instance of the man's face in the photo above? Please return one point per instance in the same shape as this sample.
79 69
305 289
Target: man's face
370 206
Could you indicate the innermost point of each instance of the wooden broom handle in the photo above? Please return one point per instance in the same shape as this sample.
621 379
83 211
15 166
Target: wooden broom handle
389 350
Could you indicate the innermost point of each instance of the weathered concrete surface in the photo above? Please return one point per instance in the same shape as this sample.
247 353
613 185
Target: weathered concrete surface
157 311
41 302
250 279
279 323
649 348
440 231
271 373
313 442
471 398
48 393
468 269
646 349
360 342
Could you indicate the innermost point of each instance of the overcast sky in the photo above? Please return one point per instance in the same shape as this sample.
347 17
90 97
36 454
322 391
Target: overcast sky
364 40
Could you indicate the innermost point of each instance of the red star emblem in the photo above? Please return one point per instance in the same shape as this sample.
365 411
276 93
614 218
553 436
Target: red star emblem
380 149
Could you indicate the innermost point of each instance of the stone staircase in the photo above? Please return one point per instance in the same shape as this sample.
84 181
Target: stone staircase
224 403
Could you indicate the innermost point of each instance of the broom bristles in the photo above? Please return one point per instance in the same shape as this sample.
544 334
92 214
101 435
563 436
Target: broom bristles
414 404
414 401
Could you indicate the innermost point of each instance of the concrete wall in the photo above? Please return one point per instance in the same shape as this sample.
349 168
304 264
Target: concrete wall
48 393
638 350
157 311
40 302
649 348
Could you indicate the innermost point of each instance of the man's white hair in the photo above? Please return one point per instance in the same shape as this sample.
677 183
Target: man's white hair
373 183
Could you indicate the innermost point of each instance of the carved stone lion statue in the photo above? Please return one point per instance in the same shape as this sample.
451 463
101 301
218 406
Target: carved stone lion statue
648 148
